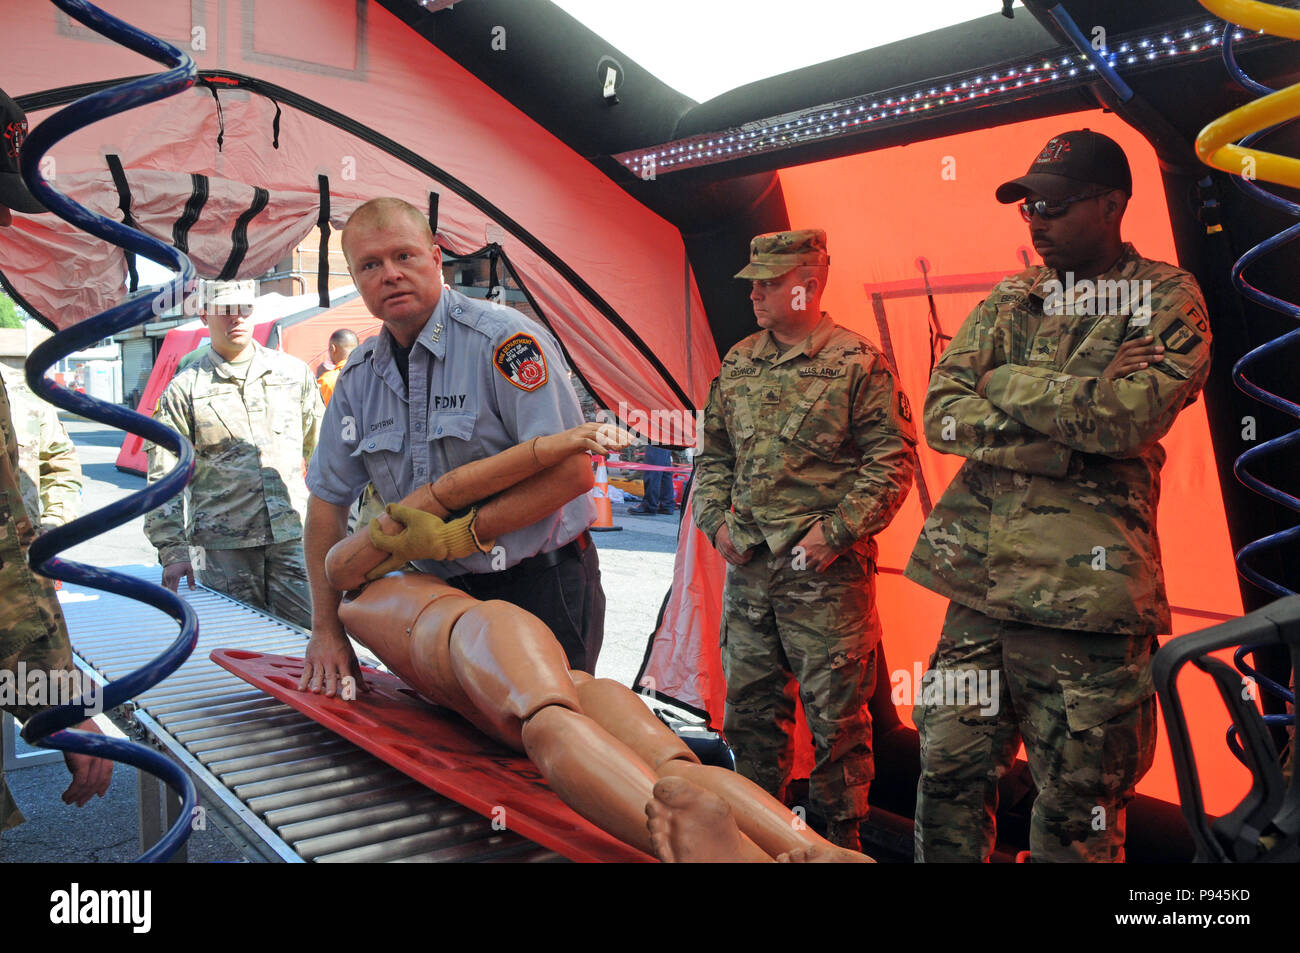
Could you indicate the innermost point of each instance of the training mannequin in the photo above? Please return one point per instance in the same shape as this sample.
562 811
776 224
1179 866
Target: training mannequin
597 744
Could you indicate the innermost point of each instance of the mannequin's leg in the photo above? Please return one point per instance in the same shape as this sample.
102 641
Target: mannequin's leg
690 824
515 673
502 669
765 820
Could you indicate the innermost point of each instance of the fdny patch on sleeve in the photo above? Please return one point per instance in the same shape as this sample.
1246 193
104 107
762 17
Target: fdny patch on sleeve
904 408
1194 313
520 360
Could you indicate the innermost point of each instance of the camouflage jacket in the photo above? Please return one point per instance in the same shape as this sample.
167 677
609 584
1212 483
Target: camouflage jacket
1052 518
819 432
29 609
47 461
251 438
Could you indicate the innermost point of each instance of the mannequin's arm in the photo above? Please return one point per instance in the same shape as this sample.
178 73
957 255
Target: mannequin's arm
533 480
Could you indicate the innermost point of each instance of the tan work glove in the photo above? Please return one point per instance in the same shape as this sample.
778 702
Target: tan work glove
423 536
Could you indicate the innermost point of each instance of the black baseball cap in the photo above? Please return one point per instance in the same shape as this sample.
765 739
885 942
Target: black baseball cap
13 190
1068 165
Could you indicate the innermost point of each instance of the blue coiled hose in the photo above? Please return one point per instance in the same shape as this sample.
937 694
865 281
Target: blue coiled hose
1250 361
50 729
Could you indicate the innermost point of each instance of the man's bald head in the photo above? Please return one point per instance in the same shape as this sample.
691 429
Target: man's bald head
342 343
344 337
381 213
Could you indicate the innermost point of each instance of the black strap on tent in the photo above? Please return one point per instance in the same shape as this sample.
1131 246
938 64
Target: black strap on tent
433 212
323 256
198 198
275 127
239 236
124 203
494 282
938 340
221 120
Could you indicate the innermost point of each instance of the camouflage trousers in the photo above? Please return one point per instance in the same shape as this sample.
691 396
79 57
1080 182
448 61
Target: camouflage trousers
52 653
271 577
781 626
1082 702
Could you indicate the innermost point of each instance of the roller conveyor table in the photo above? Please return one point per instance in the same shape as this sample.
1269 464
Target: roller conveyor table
284 788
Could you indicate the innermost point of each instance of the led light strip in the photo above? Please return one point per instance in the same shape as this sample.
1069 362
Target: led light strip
1005 83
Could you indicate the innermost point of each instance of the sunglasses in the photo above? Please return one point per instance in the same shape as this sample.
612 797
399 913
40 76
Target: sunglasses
1050 210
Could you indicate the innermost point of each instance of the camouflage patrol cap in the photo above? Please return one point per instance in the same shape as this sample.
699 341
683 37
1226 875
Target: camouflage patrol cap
774 254
229 294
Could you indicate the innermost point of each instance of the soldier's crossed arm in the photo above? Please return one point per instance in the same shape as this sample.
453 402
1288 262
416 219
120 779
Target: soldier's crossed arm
714 467
959 421
1125 416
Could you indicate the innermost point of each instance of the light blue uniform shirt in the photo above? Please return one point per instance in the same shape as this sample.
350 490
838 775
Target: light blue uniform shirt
474 392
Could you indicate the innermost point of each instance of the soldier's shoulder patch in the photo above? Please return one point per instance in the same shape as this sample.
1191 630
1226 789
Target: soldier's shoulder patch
1179 337
864 350
1198 318
904 407
520 360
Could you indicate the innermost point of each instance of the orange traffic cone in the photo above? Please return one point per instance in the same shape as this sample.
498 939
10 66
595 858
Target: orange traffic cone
600 496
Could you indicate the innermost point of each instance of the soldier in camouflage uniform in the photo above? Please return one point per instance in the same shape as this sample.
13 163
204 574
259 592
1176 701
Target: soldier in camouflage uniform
32 631
253 415
1056 390
33 634
47 460
808 452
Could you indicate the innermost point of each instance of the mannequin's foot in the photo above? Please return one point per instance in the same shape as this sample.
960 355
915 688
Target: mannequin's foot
688 824
823 854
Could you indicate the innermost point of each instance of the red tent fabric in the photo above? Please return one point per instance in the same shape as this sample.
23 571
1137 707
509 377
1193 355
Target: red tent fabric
359 61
